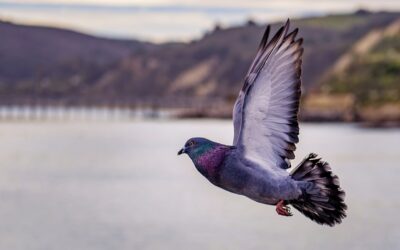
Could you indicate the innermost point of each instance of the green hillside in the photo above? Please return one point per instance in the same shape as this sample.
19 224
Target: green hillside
373 78
368 77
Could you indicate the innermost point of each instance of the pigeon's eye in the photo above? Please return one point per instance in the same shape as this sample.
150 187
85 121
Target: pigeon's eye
191 143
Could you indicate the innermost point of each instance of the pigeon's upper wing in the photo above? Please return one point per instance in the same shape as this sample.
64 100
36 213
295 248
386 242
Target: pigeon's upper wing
265 113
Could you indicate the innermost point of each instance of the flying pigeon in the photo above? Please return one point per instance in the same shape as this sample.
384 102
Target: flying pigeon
265 133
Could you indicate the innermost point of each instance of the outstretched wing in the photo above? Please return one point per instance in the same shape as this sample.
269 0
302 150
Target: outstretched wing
265 113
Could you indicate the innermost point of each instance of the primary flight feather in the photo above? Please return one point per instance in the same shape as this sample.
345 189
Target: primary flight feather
265 133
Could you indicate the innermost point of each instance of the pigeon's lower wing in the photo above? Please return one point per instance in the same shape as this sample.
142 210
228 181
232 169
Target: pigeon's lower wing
265 113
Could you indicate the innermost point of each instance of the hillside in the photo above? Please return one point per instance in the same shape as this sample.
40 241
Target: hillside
39 63
214 66
370 74
54 66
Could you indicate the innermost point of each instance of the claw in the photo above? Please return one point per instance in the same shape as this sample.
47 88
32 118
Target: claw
283 209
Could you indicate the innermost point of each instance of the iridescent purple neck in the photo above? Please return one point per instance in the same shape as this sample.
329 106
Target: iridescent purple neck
210 161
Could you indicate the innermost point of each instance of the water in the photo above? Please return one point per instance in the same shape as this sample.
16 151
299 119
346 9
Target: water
120 185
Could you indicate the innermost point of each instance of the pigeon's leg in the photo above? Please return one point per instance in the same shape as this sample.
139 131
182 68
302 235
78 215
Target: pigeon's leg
283 209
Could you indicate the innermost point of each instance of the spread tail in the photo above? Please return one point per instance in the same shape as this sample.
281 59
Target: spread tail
322 200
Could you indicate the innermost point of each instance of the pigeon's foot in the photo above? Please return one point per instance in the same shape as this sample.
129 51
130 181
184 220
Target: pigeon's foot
282 209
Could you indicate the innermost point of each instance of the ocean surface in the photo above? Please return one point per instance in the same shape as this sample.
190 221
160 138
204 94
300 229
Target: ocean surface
120 185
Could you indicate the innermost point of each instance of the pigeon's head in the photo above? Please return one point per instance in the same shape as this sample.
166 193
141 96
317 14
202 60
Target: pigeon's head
195 147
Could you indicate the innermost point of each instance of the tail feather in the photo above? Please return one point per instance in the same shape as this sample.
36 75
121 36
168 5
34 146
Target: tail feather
322 200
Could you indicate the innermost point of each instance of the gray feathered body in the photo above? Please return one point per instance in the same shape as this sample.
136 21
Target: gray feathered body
241 176
311 187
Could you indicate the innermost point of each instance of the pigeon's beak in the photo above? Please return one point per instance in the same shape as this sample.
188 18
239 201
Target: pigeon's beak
182 151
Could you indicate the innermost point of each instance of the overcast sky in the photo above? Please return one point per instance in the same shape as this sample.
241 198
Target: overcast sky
162 20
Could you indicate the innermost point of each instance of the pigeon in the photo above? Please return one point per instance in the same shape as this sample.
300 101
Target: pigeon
266 130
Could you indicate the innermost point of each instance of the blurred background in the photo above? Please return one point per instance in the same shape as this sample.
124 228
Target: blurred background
96 98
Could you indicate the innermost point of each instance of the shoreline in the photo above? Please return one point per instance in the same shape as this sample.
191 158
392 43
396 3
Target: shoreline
374 118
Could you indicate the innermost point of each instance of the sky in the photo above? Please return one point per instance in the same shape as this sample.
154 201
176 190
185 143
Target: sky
168 20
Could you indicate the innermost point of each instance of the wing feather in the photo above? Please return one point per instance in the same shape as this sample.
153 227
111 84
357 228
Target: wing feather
265 112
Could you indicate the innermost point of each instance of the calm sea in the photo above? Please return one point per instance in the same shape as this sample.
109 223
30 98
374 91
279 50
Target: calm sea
120 185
